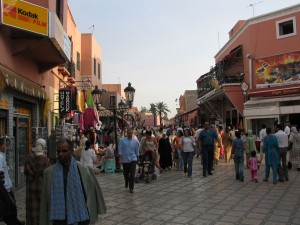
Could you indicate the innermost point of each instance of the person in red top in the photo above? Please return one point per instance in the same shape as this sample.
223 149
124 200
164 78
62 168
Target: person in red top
177 149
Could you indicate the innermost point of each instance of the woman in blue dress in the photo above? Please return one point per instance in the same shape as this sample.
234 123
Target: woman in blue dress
270 148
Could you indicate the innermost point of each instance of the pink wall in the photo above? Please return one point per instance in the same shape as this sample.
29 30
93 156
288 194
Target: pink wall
260 40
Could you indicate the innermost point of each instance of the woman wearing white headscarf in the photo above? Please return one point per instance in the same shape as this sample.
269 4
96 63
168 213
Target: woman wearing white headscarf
34 167
295 151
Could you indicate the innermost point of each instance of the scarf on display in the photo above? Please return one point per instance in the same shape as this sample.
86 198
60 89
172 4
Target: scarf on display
75 201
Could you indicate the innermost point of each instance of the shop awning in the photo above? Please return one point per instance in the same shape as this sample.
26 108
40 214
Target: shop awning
20 83
262 107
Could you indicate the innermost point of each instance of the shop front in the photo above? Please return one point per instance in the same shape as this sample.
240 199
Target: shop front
21 104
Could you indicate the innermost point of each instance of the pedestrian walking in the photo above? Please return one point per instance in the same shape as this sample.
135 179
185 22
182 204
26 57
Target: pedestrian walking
262 135
70 193
178 153
33 169
129 153
88 155
253 166
207 137
227 143
165 152
218 145
8 208
295 149
283 143
270 149
188 146
238 151
249 146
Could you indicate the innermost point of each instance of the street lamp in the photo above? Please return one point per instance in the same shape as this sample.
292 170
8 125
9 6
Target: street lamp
129 93
97 96
122 106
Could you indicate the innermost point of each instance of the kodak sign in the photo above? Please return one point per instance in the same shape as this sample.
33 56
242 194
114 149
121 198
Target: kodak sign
24 15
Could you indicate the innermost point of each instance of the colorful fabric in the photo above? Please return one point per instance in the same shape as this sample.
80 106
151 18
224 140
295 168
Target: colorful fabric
80 101
89 99
72 206
253 163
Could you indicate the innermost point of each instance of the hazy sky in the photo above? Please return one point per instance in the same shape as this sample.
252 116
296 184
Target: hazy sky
162 46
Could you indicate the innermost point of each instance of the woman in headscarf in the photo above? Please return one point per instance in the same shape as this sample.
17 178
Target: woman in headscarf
270 148
34 167
227 143
250 145
295 151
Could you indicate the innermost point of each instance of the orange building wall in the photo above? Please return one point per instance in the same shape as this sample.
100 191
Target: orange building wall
260 41
114 88
90 49
75 35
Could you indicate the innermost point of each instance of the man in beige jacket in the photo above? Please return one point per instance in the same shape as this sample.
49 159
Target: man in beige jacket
70 192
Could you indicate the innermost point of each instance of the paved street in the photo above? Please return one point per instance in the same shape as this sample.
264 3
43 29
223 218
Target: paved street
217 199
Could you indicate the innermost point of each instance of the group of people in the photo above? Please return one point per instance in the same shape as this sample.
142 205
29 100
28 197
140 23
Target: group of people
65 193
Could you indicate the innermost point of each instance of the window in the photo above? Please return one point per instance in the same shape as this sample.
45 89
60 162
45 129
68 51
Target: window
286 28
78 61
95 66
99 71
59 10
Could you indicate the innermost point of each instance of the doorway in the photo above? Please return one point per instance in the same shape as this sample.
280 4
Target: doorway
21 134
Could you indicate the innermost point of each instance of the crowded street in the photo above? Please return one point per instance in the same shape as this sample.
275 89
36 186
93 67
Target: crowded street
217 199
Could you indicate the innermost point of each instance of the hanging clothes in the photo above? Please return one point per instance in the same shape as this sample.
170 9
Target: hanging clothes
89 118
80 101
89 99
74 98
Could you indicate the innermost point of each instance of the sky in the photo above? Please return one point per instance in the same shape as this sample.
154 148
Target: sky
162 46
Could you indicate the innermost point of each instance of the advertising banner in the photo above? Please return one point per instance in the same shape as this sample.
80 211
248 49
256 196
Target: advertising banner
64 101
277 70
24 15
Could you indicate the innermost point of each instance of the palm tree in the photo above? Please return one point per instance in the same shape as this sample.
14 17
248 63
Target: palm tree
153 110
162 109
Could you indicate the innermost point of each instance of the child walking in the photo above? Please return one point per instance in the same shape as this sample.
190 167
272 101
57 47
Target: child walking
253 165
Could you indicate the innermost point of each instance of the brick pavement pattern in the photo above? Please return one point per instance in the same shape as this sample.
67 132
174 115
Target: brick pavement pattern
217 199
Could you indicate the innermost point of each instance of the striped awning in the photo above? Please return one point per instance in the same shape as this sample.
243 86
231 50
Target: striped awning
20 83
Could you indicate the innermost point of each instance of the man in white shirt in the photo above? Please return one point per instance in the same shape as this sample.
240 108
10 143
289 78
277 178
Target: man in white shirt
8 203
283 143
262 135
287 128
196 136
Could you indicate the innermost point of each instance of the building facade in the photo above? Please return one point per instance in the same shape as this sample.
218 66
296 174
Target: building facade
38 58
256 75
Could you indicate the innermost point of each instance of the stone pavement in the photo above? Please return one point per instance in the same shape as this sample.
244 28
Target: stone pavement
217 199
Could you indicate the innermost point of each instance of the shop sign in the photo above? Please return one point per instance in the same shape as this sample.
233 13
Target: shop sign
112 101
4 104
277 70
59 37
64 101
25 15
277 92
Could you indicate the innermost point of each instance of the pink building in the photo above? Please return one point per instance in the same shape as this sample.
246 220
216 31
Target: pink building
257 74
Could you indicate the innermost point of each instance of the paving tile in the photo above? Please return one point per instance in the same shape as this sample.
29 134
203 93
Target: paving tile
251 221
230 219
181 220
277 218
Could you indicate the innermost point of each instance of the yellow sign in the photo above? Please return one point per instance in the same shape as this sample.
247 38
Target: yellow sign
25 15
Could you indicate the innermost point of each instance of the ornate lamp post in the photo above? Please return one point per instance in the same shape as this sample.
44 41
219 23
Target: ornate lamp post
97 96
122 108
129 93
